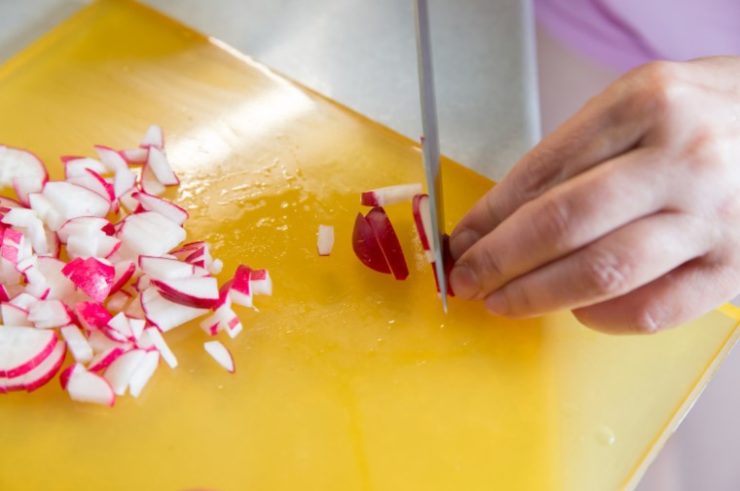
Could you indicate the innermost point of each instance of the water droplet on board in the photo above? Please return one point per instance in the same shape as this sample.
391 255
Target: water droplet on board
606 436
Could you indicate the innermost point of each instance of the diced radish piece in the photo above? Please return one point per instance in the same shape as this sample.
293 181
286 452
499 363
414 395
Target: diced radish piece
162 206
45 210
23 300
135 309
325 240
40 374
92 275
14 315
77 343
119 372
164 268
118 301
78 166
388 240
23 348
224 318
93 316
128 201
123 181
423 222
154 137
150 234
99 342
366 247
241 290
22 170
260 282
85 386
6 202
4 293
216 266
137 328
149 182
84 227
119 328
390 194
143 372
135 155
158 342
211 325
60 287
124 270
104 359
449 262
94 182
194 292
159 165
72 201
48 313
110 158
219 353
166 314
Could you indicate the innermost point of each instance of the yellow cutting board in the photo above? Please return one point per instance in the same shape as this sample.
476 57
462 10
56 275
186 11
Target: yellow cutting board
346 379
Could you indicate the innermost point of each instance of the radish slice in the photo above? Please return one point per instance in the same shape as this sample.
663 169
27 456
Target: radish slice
260 282
325 241
160 167
164 314
41 374
99 342
137 328
78 166
23 170
240 291
194 292
94 182
111 159
72 201
143 372
23 348
150 234
118 328
366 247
423 222
104 359
93 316
85 386
14 315
388 240
92 275
219 353
154 137
60 287
123 270
6 202
45 211
119 372
84 227
165 208
390 194
149 182
48 313
164 268
77 343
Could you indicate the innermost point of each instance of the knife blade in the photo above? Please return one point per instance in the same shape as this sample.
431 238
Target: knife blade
430 142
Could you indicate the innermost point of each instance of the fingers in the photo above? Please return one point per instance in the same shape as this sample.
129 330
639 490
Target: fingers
685 294
626 259
562 220
606 126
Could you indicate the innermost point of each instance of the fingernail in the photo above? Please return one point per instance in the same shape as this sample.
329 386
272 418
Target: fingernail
461 242
496 303
464 281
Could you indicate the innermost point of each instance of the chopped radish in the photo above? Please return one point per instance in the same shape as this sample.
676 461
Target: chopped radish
164 314
388 240
119 372
110 158
118 328
78 166
48 313
201 292
325 241
149 182
72 201
60 287
99 342
135 155
118 301
240 291
14 315
94 182
219 353
85 386
160 167
105 358
143 372
40 374
137 327
45 211
92 315
423 222
124 271
158 342
85 227
154 137
22 170
77 343
92 275
164 268
390 194
165 208
260 282
150 233
24 348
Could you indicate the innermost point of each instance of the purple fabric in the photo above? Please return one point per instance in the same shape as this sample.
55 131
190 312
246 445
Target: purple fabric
627 33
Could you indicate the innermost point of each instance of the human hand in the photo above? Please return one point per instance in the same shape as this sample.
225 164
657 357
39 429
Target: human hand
629 213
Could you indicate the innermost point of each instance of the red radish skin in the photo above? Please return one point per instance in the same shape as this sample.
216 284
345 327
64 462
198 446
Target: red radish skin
104 359
92 276
260 282
92 315
366 247
164 314
388 241
240 290
200 292
123 271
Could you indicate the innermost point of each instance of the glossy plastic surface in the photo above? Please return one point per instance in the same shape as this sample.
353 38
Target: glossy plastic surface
346 379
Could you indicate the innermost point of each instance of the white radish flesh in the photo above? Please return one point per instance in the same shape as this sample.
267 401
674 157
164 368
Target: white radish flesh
325 240
390 194
77 343
219 353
